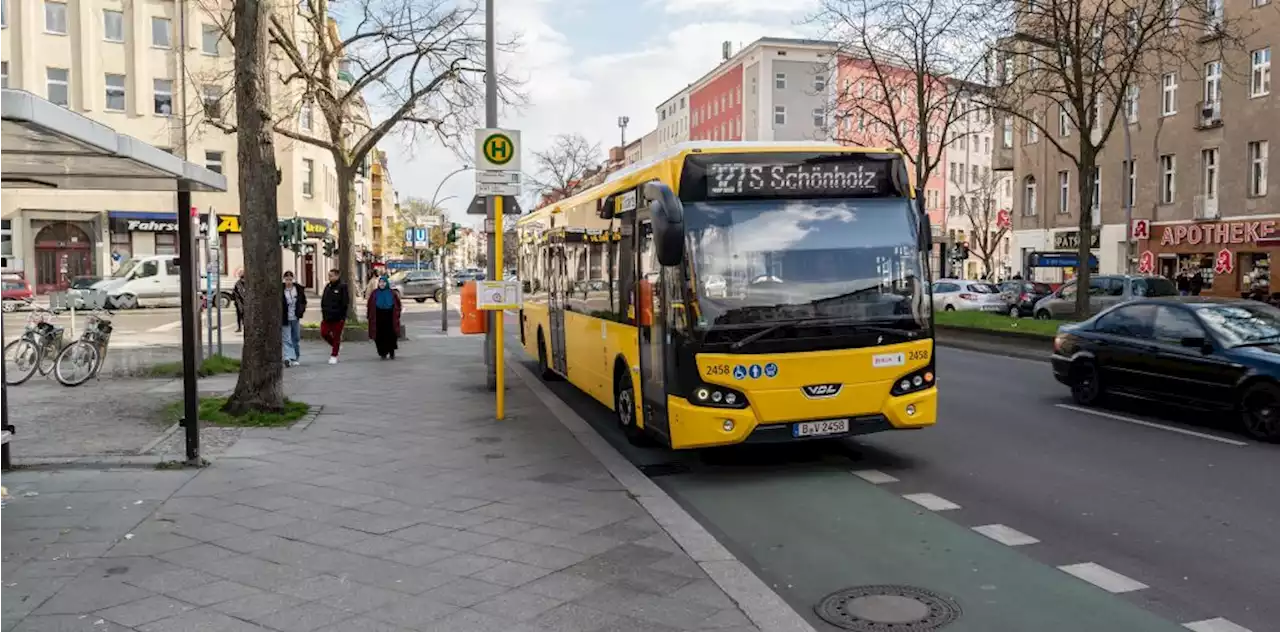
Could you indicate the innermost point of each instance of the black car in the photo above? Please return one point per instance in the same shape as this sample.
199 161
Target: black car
1021 296
1208 353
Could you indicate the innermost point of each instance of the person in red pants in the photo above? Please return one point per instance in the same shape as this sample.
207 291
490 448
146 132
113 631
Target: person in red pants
334 303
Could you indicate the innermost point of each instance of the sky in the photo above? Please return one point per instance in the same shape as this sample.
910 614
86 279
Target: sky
587 62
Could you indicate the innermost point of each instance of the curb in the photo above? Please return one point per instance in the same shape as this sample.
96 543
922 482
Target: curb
749 593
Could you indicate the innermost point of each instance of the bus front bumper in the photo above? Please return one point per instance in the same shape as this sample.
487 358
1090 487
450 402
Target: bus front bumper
702 427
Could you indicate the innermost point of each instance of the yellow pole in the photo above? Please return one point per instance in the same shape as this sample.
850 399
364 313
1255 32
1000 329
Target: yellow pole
500 315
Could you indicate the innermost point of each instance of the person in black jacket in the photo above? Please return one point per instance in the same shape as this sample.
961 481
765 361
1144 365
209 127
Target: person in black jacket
293 304
238 297
334 303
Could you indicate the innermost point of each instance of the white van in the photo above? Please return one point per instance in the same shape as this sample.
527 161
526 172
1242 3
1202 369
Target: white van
152 281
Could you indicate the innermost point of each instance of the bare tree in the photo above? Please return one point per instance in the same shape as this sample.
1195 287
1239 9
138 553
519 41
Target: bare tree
1081 65
259 384
904 73
562 166
987 232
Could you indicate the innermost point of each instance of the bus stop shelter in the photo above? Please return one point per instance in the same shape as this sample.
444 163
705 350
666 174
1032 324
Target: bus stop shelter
45 146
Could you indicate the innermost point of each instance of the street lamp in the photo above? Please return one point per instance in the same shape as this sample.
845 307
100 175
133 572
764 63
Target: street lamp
446 179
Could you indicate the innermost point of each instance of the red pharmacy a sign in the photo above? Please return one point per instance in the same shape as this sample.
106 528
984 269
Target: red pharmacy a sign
1147 263
1224 263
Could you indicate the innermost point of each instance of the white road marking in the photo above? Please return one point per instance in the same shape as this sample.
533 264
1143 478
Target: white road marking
875 477
167 327
1103 577
931 502
1149 424
1215 625
1007 536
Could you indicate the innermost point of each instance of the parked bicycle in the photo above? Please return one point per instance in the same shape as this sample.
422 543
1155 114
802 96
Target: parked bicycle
82 359
37 349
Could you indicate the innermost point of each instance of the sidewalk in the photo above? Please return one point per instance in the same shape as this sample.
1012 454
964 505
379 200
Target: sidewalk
403 506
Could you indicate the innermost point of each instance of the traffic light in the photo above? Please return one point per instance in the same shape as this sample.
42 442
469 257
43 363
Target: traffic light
330 246
453 233
292 233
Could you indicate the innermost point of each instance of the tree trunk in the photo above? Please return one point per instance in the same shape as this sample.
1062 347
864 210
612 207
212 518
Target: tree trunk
259 385
1084 191
347 232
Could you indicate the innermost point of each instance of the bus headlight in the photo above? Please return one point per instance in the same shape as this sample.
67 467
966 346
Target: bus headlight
718 397
915 381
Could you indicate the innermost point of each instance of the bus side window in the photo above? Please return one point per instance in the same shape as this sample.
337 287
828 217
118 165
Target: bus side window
626 272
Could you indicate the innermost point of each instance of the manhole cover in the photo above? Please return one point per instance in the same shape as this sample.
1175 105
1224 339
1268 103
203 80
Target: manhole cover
888 609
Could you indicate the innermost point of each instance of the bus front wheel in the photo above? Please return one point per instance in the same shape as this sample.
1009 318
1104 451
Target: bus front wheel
624 404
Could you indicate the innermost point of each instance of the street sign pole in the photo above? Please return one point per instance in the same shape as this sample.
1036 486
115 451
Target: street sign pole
490 120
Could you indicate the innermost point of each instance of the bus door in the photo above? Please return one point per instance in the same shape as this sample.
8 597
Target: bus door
653 337
558 268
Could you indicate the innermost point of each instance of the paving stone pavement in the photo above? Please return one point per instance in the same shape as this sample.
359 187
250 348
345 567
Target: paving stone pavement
404 506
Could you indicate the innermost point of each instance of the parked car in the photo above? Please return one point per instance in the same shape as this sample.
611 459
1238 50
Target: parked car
1104 291
151 280
16 292
1020 297
418 285
1210 353
461 277
951 295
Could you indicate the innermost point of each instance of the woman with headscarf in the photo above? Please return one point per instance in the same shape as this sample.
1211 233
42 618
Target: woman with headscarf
384 318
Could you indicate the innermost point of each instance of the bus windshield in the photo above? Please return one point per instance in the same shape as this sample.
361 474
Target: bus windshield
766 261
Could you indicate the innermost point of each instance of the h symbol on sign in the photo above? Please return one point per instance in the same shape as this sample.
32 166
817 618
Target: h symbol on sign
499 149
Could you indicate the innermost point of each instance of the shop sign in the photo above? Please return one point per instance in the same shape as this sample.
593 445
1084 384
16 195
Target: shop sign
1070 240
1218 233
226 224
1147 263
1141 229
1224 263
1003 219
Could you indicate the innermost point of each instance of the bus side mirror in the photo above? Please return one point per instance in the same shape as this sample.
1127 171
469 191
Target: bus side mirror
668 223
644 303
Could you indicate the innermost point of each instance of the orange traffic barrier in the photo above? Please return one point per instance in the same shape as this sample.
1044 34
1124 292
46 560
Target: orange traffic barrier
473 320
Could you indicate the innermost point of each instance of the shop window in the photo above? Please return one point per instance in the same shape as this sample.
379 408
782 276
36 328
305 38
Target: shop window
121 247
166 244
1255 272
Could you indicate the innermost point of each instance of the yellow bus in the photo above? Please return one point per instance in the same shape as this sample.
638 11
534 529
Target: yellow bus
728 293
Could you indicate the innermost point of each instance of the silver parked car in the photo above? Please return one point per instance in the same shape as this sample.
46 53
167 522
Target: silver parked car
1104 291
418 285
950 295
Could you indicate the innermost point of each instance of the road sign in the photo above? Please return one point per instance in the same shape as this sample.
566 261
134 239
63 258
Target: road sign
498 177
487 189
498 295
497 149
432 220
417 237
509 206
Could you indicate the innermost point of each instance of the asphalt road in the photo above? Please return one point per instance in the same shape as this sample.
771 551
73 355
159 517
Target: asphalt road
1171 516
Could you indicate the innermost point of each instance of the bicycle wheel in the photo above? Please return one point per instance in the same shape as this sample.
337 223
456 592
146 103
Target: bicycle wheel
21 357
49 354
76 363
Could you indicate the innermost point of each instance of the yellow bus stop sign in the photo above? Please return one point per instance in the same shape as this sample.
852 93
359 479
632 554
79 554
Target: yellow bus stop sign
498 148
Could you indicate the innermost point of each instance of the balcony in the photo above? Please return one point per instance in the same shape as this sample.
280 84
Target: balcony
1209 114
1205 207
377 221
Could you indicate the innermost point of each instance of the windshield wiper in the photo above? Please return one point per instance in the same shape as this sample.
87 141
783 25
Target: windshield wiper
857 323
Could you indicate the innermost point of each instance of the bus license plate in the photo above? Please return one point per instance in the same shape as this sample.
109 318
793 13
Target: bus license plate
819 428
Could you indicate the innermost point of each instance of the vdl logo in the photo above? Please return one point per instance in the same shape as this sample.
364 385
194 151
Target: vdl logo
820 391
498 149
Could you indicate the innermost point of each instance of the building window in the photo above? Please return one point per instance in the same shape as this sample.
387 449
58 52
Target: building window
1209 163
1258 151
1029 196
1213 15
4 14
780 81
1007 131
1033 131
161 32
213 161
163 89
1168 178
308 173
209 37
115 93
1131 184
55 17
818 117
1212 83
212 96
4 74
1096 202
1064 192
166 243
306 114
56 80
1064 121
819 83
1169 94
1260 77
779 115
112 25
1131 103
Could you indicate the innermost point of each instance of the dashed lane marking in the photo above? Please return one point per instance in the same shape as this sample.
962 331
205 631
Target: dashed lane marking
1215 625
932 502
875 477
1103 577
1007 536
1149 424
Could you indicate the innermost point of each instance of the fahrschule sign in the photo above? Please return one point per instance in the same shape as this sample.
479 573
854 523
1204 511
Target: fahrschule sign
145 222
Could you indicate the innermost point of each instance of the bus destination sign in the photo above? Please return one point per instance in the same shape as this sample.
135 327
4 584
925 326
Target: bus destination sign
814 179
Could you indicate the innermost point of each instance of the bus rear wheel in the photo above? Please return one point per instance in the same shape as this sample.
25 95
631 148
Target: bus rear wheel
624 405
544 369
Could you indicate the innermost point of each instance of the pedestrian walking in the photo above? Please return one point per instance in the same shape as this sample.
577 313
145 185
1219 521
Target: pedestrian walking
293 303
333 313
384 318
1197 283
237 297
1184 283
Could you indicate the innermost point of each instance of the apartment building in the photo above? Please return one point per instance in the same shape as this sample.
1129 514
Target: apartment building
384 210
1202 138
157 70
977 198
673 120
